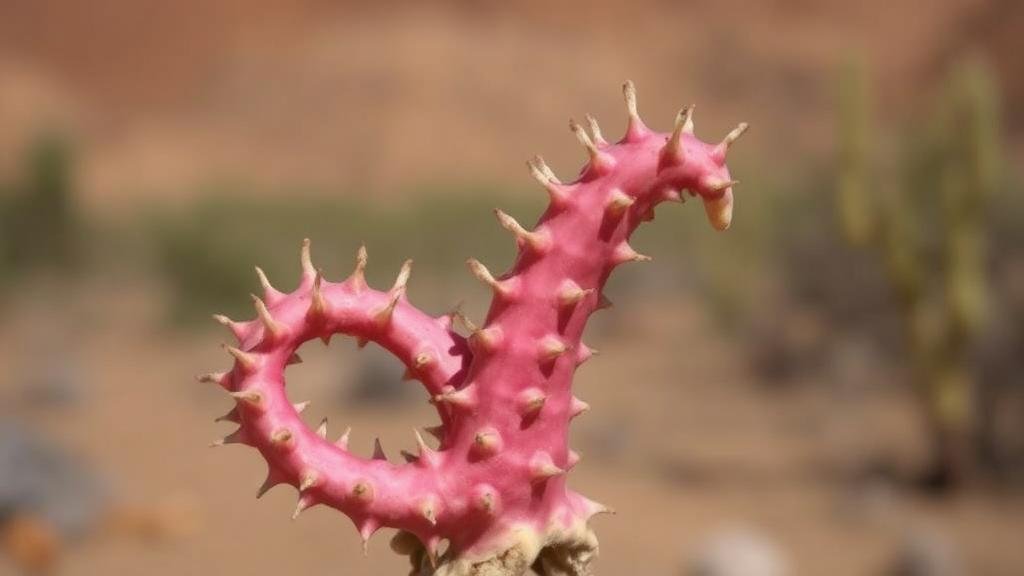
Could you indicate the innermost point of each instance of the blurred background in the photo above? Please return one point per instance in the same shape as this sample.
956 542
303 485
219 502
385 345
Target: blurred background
833 386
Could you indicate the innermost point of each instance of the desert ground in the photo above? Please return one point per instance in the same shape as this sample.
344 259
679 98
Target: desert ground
682 441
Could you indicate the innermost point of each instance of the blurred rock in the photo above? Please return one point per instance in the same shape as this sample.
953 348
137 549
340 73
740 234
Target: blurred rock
39 479
378 380
926 553
870 494
738 552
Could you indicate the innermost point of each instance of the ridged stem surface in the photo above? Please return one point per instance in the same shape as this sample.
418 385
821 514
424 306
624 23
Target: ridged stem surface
495 488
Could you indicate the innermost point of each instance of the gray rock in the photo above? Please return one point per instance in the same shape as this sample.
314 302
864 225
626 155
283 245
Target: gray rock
38 478
378 380
926 553
737 552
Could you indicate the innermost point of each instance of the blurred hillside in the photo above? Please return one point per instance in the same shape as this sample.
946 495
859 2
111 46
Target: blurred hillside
329 96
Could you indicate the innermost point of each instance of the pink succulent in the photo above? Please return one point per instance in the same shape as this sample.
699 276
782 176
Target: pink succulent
495 488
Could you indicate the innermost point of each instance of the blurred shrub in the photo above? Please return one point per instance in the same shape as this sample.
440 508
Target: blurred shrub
39 223
205 253
812 295
925 217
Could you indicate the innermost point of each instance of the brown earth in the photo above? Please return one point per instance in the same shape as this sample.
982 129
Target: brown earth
681 440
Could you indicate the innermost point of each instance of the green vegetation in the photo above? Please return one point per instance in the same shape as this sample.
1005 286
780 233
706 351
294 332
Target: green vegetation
924 214
39 224
206 252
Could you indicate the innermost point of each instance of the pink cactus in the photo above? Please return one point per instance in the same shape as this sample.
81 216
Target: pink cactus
495 488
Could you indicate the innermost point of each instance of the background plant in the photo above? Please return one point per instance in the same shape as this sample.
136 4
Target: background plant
925 216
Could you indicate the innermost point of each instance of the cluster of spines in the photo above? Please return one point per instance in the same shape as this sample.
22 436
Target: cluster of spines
449 394
487 441
266 330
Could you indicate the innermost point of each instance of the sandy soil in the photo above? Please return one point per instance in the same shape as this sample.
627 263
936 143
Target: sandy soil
681 440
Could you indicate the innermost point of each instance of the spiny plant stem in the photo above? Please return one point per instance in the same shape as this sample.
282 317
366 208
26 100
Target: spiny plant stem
495 488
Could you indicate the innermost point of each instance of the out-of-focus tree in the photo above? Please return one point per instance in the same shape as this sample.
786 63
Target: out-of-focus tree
40 225
924 215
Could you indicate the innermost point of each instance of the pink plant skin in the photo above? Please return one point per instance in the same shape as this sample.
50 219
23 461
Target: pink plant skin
495 488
